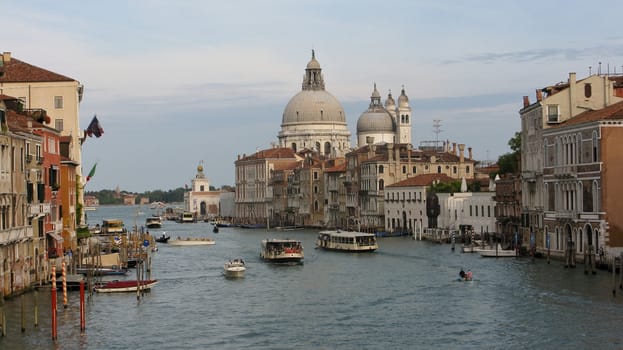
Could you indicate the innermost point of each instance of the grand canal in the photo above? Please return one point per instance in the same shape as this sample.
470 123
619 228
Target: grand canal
404 296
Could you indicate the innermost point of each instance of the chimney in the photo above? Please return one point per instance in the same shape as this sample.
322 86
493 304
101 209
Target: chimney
461 152
539 95
526 101
454 148
469 152
6 56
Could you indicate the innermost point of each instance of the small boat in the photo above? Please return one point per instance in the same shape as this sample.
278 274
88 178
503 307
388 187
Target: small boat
192 241
215 229
102 271
498 252
282 250
347 241
117 286
223 224
234 268
163 239
253 226
153 221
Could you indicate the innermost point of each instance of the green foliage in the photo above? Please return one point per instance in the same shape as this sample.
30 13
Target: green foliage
446 187
82 232
509 163
107 197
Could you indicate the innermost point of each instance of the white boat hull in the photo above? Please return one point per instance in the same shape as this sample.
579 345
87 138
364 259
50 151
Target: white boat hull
497 253
191 242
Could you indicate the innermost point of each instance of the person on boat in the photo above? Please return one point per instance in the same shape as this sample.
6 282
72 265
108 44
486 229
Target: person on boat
468 275
462 274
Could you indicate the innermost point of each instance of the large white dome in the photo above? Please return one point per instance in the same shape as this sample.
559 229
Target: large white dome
313 118
313 106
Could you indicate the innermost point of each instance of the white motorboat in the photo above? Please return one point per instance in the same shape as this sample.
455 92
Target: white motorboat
234 268
282 250
347 241
191 241
497 252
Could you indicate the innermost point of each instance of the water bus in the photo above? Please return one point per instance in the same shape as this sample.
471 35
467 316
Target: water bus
282 250
347 241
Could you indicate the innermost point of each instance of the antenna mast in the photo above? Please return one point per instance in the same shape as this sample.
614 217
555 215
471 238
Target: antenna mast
437 130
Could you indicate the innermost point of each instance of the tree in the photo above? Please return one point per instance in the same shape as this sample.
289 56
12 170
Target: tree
509 162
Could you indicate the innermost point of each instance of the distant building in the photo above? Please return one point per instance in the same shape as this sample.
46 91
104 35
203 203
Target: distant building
91 201
199 200
129 199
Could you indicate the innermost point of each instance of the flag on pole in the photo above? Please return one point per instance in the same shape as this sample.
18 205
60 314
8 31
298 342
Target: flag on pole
91 173
94 128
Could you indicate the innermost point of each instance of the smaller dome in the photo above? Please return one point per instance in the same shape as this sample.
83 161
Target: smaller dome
200 168
379 121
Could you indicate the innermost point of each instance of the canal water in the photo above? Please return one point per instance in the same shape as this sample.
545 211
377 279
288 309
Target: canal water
403 296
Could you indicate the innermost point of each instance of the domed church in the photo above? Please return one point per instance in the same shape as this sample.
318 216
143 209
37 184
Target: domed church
315 119
388 124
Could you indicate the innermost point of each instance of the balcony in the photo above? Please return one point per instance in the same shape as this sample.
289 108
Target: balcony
39 209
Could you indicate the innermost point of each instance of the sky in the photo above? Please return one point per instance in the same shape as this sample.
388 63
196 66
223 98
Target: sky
176 83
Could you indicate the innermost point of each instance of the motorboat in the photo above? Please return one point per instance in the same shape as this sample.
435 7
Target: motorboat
154 221
189 241
282 250
118 286
347 241
234 268
498 252
476 247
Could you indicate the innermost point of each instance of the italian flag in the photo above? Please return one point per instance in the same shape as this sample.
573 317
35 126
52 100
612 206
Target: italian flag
92 172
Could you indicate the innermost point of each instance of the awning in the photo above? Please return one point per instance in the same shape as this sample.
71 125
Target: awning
55 236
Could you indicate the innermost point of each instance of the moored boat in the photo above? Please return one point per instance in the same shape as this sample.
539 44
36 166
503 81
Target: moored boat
117 286
347 241
191 241
234 268
282 250
497 252
101 271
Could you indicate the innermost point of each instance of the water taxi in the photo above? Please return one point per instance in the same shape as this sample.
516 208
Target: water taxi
282 250
186 217
347 241
234 268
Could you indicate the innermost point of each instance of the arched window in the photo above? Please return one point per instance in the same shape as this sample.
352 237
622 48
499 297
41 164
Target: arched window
595 147
316 205
315 189
382 185
407 119
318 146
414 169
294 146
404 169
439 169
467 169
588 91
327 148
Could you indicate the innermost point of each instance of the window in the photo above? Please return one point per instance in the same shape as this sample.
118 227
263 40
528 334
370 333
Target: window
414 169
439 169
454 169
58 102
58 124
595 147
294 146
201 188
315 175
467 169
382 185
404 169
588 91
380 169
552 114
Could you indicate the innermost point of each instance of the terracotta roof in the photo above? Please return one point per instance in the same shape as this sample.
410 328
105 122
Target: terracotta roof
612 112
423 180
281 152
286 165
16 71
19 122
336 169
